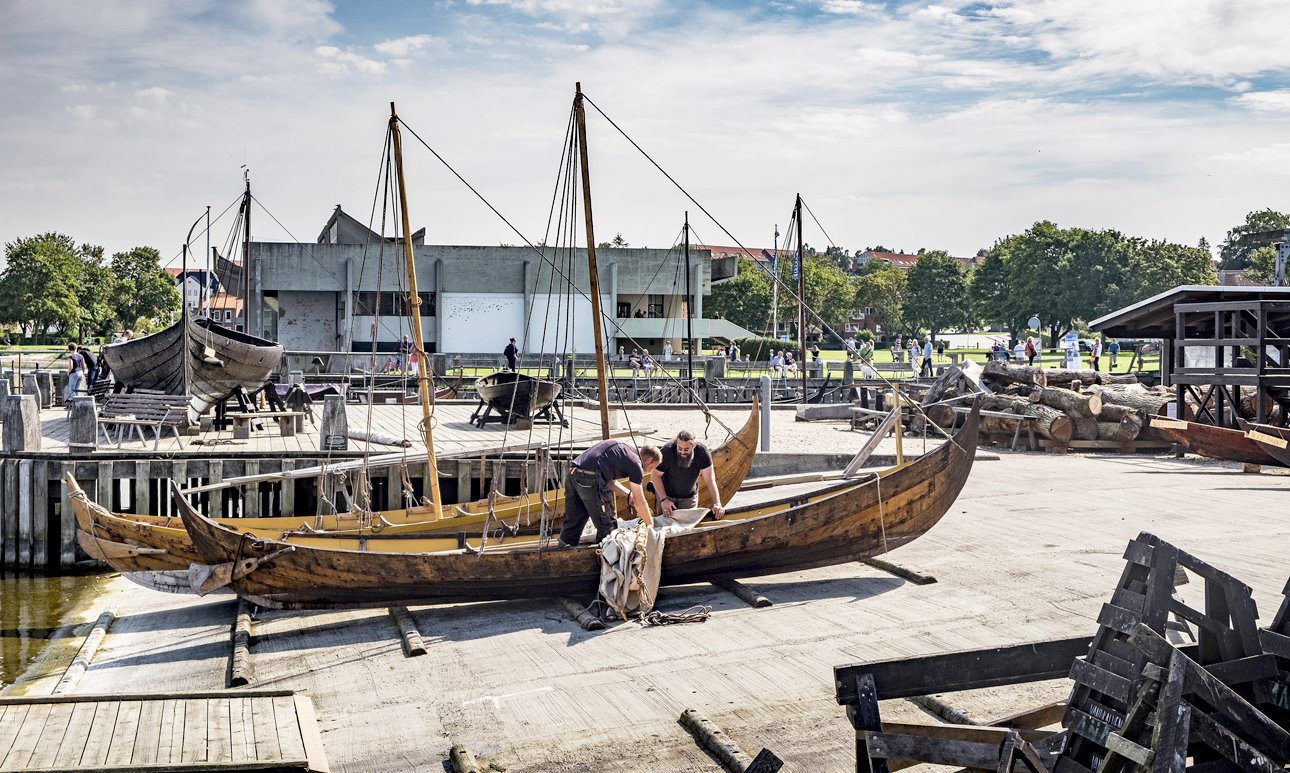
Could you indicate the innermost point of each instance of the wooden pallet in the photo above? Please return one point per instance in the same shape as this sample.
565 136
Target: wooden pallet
224 730
1160 683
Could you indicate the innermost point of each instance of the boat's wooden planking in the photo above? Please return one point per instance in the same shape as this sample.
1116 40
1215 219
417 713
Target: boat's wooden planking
853 521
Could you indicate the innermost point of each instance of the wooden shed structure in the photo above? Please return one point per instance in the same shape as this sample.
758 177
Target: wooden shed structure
1220 345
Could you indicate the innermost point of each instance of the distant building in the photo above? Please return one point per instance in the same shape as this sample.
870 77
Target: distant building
902 259
194 285
342 294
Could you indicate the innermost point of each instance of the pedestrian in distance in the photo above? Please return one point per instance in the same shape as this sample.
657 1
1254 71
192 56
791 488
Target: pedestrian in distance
927 357
91 366
1095 352
1031 351
75 374
940 351
676 478
914 351
512 353
1113 349
594 479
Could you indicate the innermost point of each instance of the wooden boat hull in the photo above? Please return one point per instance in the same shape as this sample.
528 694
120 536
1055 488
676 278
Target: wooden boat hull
732 459
516 394
1273 441
1214 442
173 361
849 522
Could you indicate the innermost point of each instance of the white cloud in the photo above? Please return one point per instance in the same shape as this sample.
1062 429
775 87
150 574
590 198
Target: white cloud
1273 101
83 112
155 96
337 61
849 7
401 47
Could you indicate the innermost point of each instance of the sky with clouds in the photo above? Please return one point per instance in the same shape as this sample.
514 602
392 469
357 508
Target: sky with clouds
907 124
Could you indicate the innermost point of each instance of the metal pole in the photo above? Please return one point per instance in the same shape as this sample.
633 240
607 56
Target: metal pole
765 414
602 380
689 314
246 256
423 380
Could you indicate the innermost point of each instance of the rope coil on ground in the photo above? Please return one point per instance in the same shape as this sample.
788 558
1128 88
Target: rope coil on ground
698 613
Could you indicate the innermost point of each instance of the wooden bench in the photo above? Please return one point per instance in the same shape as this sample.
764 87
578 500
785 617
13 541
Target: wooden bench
132 411
289 422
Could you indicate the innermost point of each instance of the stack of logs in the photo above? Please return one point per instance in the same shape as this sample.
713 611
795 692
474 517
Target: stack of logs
1066 404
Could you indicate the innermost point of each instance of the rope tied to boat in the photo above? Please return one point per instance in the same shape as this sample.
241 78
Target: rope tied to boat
699 613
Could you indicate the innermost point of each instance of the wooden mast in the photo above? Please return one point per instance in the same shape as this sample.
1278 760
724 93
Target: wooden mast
602 380
689 316
801 295
414 300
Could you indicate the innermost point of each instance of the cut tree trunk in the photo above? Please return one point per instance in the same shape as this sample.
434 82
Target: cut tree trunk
1068 401
1118 378
1083 427
1052 424
1150 403
1115 413
1063 376
1003 373
1127 428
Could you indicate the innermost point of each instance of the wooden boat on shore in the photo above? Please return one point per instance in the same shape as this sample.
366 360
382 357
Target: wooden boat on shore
844 523
463 522
1274 441
197 357
1230 445
516 395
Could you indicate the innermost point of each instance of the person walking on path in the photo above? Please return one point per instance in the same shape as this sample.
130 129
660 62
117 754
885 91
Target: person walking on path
75 374
512 353
593 481
1031 351
927 357
1113 349
1095 352
676 478
940 351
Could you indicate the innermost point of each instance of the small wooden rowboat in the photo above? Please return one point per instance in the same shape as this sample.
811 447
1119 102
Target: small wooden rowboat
845 523
732 461
1214 442
196 357
516 395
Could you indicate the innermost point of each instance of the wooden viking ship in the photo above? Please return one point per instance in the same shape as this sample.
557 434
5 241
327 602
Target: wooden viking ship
516 395
844 523
197 357
1230 445
166 547
1273 441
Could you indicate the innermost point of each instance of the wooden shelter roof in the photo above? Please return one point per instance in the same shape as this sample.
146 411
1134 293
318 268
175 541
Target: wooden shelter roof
1154 317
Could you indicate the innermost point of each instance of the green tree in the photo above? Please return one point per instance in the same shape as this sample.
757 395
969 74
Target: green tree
98 297
744 299
40 286
990 290
144 290
881 287
937 297
830 297
1262 265
1243 239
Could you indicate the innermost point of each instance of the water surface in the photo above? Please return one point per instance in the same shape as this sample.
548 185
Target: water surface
32 608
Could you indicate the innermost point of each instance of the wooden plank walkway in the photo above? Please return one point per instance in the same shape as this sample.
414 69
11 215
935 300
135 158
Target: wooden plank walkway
223 730
452 432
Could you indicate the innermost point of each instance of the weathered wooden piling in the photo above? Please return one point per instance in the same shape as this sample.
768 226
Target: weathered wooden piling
83 425
412 642
81 663
334 430
21 424
240 673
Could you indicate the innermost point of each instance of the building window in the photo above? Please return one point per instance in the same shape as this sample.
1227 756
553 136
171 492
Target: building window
228 315
390 304
624 309
655 308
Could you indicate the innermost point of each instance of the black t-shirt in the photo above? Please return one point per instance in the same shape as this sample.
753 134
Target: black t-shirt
683 482
613 459
511 350
88 358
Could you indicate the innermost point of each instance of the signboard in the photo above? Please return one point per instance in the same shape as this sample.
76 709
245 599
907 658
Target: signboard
335 443
1033 322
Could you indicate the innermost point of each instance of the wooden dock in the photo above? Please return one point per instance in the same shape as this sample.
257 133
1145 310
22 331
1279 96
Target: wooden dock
234 730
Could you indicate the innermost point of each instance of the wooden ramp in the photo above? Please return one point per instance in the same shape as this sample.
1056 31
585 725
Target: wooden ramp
223 730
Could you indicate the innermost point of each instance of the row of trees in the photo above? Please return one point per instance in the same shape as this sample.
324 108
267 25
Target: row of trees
1064 276
51 283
